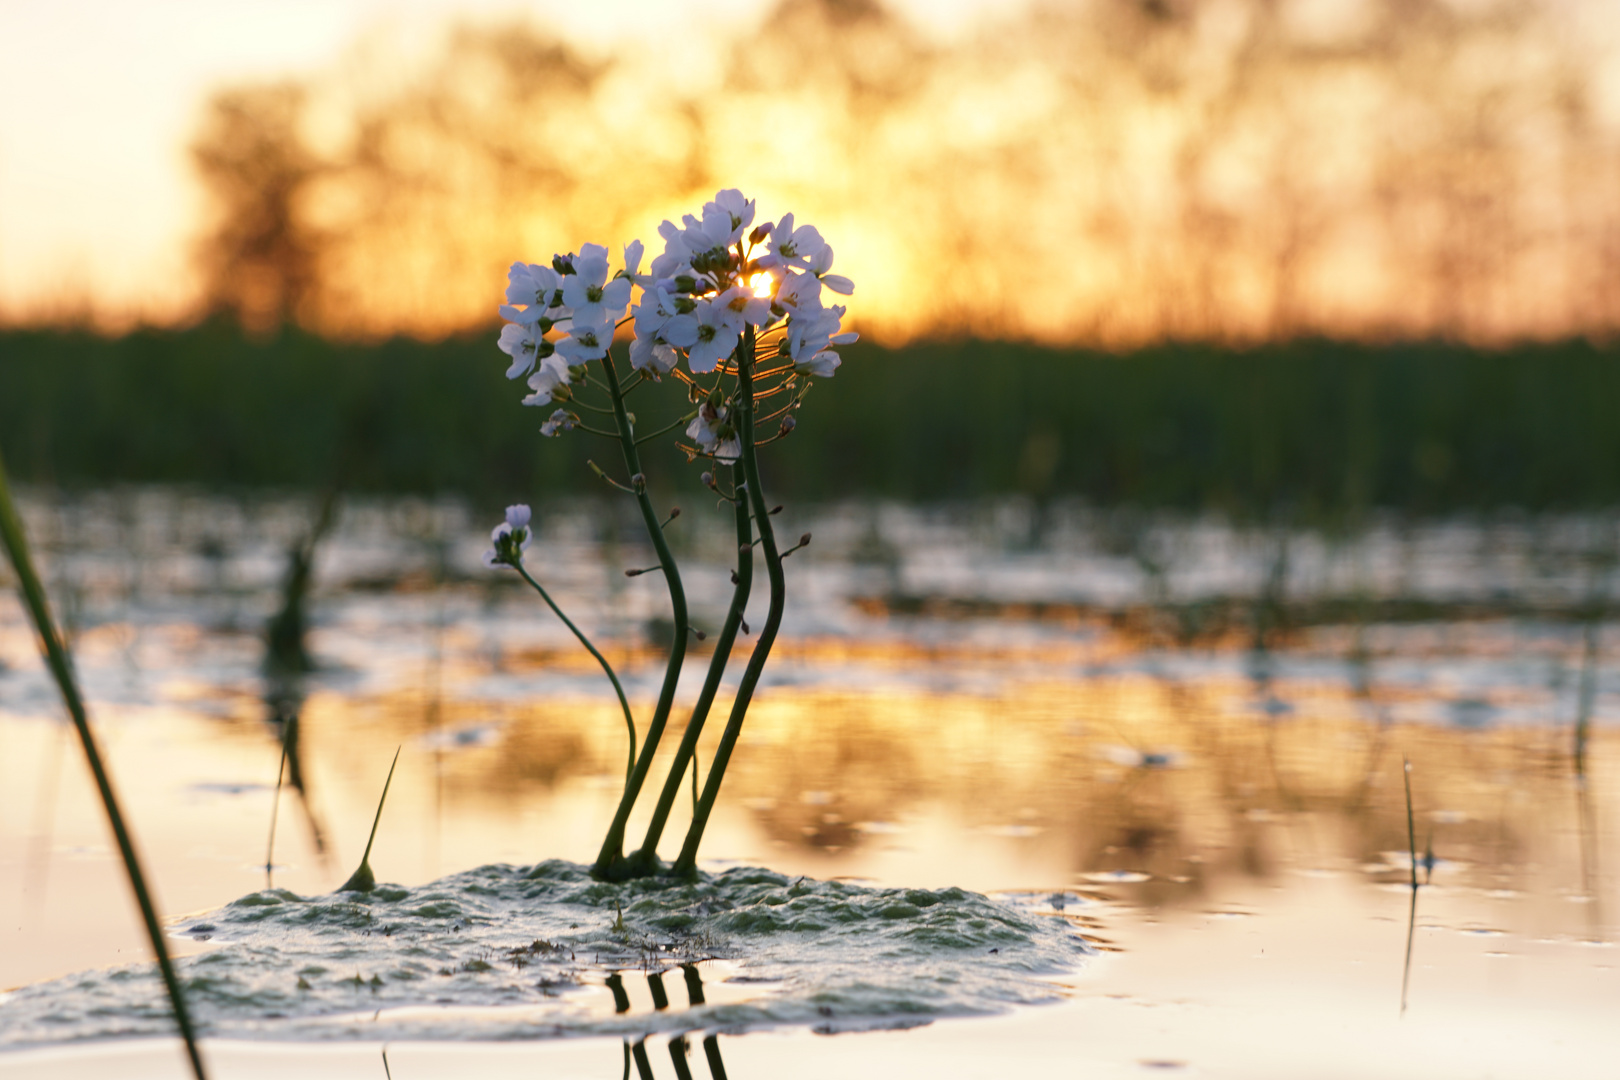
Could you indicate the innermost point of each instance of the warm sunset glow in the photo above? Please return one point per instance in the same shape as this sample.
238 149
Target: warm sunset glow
1094 172
762 284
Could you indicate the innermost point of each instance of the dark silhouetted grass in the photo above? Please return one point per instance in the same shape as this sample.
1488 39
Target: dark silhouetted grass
1308 429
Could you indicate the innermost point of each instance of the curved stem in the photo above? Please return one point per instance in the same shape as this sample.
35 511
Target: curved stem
56 658
629 722
666 430
645 861
686 864
610 859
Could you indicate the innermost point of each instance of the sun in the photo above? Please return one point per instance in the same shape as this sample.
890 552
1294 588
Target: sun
762 284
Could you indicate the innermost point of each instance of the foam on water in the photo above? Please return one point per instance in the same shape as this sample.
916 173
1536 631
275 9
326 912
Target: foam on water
522 952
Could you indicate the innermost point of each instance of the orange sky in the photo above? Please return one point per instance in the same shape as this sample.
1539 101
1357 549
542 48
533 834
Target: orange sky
99 208
98 98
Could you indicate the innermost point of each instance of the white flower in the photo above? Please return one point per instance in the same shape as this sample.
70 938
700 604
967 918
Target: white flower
561 420
739 305
713 433
510 539
536 286
730 209
792 247
650 354
715 337
798 293
587 291
552 373
675 253
809 338
587 341
821 263
714 231
632 263
525 346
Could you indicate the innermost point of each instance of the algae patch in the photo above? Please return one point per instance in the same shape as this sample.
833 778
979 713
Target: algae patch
525 952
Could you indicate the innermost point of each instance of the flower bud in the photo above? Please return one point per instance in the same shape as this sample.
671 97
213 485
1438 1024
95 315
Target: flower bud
788 424
804 541
686 283
674 512
561 392
546 324
543 348
563 264
760 233
639 481
716 398
707 479
577 371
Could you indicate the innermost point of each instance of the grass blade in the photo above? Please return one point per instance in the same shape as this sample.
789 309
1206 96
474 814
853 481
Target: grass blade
56 658
363 880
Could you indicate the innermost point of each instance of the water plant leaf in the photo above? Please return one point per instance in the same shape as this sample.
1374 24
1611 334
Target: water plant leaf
363 880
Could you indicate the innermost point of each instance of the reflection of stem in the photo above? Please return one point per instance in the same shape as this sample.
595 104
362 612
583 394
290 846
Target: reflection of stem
686 864
39 858
621 1000
711 1050
678 1049
61 666
629 722
275 807
687 751
643 1066
1583 715
694 985
1411 918
612 852
655 986
1587 823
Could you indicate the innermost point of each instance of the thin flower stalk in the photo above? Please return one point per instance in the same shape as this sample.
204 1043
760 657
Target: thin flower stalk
607 668
646 859
686 863
611 857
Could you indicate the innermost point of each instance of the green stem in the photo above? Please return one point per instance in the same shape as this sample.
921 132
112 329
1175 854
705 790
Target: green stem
686 864
645 861
687 419
56 658
609 861
629 722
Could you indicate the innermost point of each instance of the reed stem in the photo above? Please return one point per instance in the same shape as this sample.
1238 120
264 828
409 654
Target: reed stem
610 860
56 658
645 861
686 864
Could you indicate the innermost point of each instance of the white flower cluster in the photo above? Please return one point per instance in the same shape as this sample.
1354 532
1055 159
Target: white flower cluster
717 275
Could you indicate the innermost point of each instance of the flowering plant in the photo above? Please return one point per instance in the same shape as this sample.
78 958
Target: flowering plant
735 314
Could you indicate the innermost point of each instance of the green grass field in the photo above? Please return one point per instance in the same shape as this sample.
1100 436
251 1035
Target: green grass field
1310 430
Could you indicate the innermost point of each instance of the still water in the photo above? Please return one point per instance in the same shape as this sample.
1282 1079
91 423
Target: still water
1168 750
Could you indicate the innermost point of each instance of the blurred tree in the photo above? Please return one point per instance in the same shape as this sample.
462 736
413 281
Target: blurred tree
259 259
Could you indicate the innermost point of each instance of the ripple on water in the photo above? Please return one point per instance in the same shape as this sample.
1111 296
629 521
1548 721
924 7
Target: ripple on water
522 952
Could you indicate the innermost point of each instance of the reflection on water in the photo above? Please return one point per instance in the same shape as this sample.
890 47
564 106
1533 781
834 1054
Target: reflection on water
1186 736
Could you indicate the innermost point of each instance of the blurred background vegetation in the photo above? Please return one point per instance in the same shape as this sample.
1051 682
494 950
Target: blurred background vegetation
1304 431
1277 259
